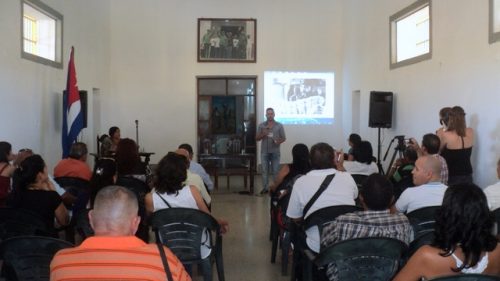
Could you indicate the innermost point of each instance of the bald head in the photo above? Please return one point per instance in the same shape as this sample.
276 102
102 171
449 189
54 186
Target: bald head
115 212
427 169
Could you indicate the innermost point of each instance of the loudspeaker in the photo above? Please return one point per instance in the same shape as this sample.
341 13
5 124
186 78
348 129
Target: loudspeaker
380 109
84 105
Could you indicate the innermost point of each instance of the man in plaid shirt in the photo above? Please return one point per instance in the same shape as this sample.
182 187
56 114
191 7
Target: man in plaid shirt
375 221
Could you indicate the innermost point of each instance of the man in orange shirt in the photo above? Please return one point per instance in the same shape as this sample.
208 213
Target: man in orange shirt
114 253
76 164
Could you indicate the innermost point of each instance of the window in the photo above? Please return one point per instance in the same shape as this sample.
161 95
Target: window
41 33
410 38
494 21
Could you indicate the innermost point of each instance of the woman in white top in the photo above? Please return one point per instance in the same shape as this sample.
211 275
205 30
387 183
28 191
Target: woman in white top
463 241
362 164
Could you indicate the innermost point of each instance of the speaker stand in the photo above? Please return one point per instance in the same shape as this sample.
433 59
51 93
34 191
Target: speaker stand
379 147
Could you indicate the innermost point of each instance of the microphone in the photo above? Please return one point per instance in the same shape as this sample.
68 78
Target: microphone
137 122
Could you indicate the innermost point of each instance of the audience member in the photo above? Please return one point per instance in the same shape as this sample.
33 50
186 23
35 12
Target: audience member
76 164
128 161
463 241
493 192
400 173
430 146
456 147
444 117
197 168
353 140
194 179
376 220
300 166
104 175
171 192
363 160
34 191
114 253
7 169
428 190
342 189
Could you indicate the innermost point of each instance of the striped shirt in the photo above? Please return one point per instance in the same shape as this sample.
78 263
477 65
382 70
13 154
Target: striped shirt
365 224
114 258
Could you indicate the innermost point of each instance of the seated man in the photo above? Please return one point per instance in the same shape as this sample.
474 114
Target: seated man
76 164
195 179
430 146
428 190
114 252
377 197
197 168
342 190
363 160
400 173
493 192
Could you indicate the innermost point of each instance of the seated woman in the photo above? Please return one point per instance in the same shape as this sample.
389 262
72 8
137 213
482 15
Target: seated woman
115 136
363 160
128 161
170 193
354 140
300 165
35 192
463 241
6 170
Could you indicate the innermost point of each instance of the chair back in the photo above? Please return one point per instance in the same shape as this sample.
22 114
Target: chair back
29 257
139 187
324 216
79 190
372 258
424 239
359 180
422 220
468 277
18 222
496 213
82 224
182 229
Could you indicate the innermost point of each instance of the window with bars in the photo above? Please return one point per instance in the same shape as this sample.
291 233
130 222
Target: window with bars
41 33
410 31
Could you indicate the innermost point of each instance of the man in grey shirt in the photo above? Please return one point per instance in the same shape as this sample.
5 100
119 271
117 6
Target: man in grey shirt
272 134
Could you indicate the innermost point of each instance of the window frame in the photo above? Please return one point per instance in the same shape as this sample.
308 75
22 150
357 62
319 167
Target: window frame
58 18
407 11
494 35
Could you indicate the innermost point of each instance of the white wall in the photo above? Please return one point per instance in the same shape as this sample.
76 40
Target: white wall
464 70
30 93
154 66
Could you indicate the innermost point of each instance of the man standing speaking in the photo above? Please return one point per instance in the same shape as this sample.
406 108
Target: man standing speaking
272 134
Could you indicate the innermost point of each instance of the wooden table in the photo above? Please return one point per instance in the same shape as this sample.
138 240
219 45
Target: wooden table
146 155
219 164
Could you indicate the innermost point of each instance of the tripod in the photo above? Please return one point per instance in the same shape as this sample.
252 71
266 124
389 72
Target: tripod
398 150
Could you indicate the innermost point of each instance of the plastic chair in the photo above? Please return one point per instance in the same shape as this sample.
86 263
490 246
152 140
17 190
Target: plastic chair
424 239
422 220
372 258
302 254
82 224
140 189
467 277
29 257
76 198
359 180
280 230
496 213
18 222
181 230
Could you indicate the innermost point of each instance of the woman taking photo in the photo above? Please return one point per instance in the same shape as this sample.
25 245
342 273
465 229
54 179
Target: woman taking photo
463 241
456 146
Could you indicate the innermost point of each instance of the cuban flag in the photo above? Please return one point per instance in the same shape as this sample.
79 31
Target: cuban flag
72 109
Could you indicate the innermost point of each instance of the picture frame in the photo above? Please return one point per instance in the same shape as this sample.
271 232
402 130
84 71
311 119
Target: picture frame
223 115
227 40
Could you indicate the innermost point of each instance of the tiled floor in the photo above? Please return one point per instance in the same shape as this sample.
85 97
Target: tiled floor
246 248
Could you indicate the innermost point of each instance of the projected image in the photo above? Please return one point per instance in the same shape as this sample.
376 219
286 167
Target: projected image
300 97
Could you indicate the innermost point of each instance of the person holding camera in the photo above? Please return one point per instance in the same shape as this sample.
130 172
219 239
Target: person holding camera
430 146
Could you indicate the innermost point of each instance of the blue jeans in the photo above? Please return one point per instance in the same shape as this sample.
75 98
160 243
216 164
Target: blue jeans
269 161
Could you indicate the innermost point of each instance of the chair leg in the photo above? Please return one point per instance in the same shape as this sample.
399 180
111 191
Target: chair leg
275 237
219 262
285 249
206 269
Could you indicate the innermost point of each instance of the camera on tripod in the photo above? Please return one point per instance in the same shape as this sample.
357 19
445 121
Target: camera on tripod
402 142
401 146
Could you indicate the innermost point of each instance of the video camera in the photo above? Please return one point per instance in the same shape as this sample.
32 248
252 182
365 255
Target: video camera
402 142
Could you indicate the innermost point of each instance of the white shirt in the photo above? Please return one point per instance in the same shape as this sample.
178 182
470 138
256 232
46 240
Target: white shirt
492 193
200 171
426 195
358 168
341 191
195 180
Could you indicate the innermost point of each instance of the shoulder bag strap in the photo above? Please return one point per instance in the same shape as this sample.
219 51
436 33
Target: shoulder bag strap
165 262
163 200
322 188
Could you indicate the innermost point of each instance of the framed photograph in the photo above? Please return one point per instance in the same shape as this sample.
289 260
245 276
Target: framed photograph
227 40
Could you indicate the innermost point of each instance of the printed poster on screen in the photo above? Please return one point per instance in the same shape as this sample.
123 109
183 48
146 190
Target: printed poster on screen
300 97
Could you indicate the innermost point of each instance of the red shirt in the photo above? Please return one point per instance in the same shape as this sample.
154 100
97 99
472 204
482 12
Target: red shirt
70 167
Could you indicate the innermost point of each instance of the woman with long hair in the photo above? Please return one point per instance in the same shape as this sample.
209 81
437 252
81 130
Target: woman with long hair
300 165
463 240
6 170
456 146
34 191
